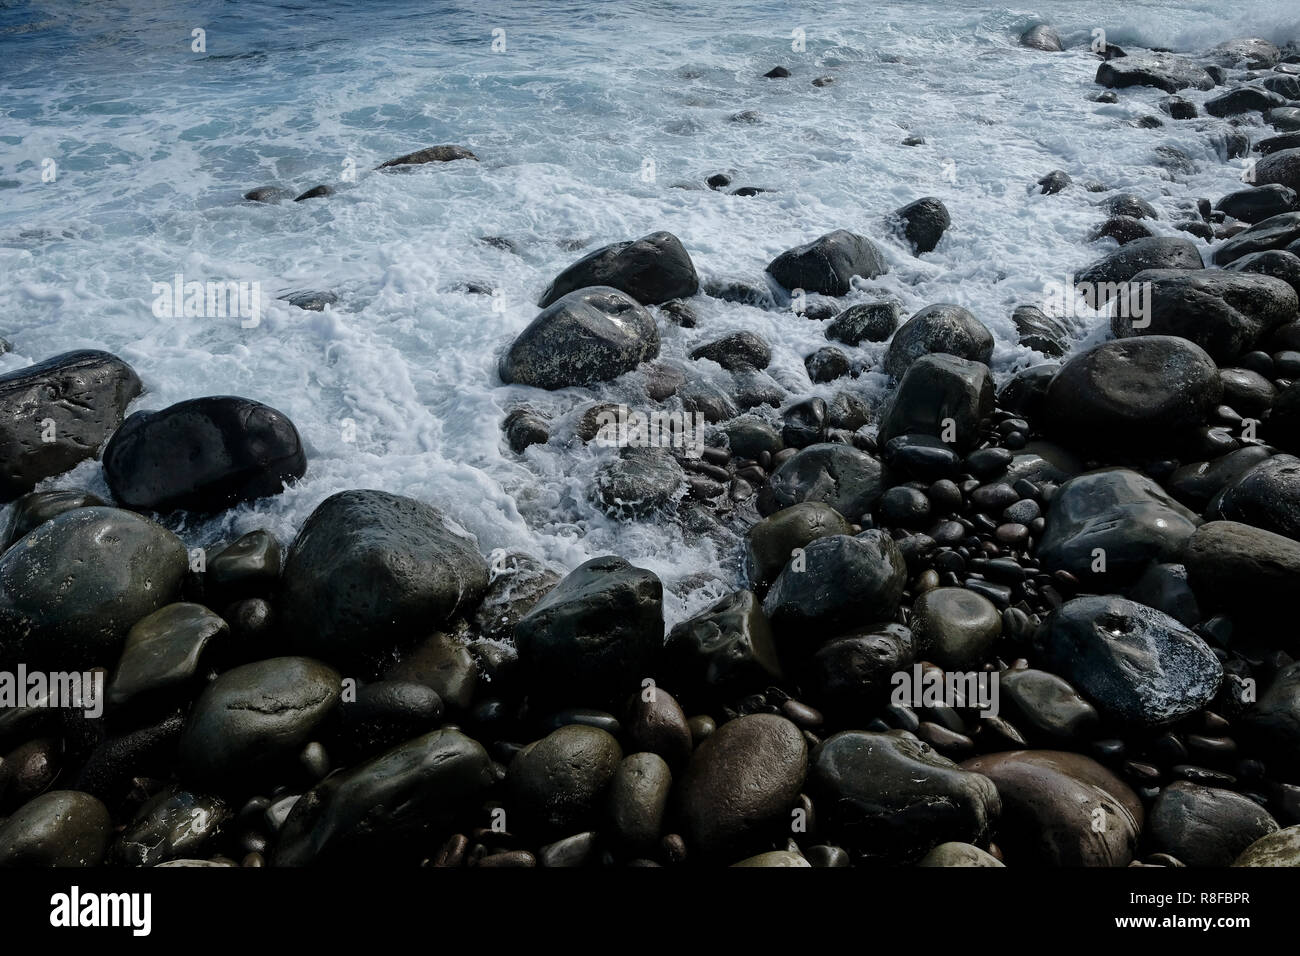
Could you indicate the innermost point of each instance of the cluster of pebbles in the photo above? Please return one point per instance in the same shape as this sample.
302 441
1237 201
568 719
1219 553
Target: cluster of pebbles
1036 623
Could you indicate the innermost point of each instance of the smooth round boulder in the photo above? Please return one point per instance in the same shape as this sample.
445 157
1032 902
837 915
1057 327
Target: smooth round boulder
1206 826
726 649
941 396
203 455
1275 232
1266 496
955 628
163 652
59 412
923 223
1106 278
1251 572
593 334
828 264
61 828
942 328
75 586
250 723
370 570
559 783
638 799
742 783
1144 393
37 507
850 676
772 541
865 322
651 270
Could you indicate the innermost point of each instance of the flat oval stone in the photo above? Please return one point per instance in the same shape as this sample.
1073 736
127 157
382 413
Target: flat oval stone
61 828
954 627
638 799
163 652
742 783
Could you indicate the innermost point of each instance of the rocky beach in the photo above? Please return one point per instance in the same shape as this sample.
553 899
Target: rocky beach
834 551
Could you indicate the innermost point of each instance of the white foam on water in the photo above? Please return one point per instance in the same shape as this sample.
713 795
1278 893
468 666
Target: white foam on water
154 145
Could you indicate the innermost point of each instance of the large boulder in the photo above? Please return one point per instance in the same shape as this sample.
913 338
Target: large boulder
590 335
76 585
1253 53
386 806
1225 313
370 570
741 784
1260 203
1243 99
1061 809
652 270
773 539
1104 279
1281 166
936 391
1105 527
726 648
1164 71
596 635
923 223
1275 232
250 724
1206 826
841 476
1249 571
60 828
1266 496
559 783
838 581
1137 394
203 455
892 799
1042 37
1138 666
828 264
57 413
943 328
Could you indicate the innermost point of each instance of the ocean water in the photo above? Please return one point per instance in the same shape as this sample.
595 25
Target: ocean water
588 117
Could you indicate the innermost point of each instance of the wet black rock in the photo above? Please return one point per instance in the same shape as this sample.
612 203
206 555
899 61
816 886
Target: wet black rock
726 648
836 582
653 269
1042 792
518 581
1260 203
1047 704
1249 571
1104 279
248 726
174 824
595 635
204 455
1243 99
268 194
840 476
955 628
1205 826
828 263
1054 182
941 396
80 581
1138 666
1273 723
381 715
430 154
772 541
742 783
1275 232
1254 53
37 507
588 336
1281 166
1140 393
852 676
389 806
827 364
371 570
1266 496
1130 206
943 328
1042 37
59 412
865 322
61 828
736 351
1161 70
1223 312
892 799
163 653
923 223
1041 332
640 482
